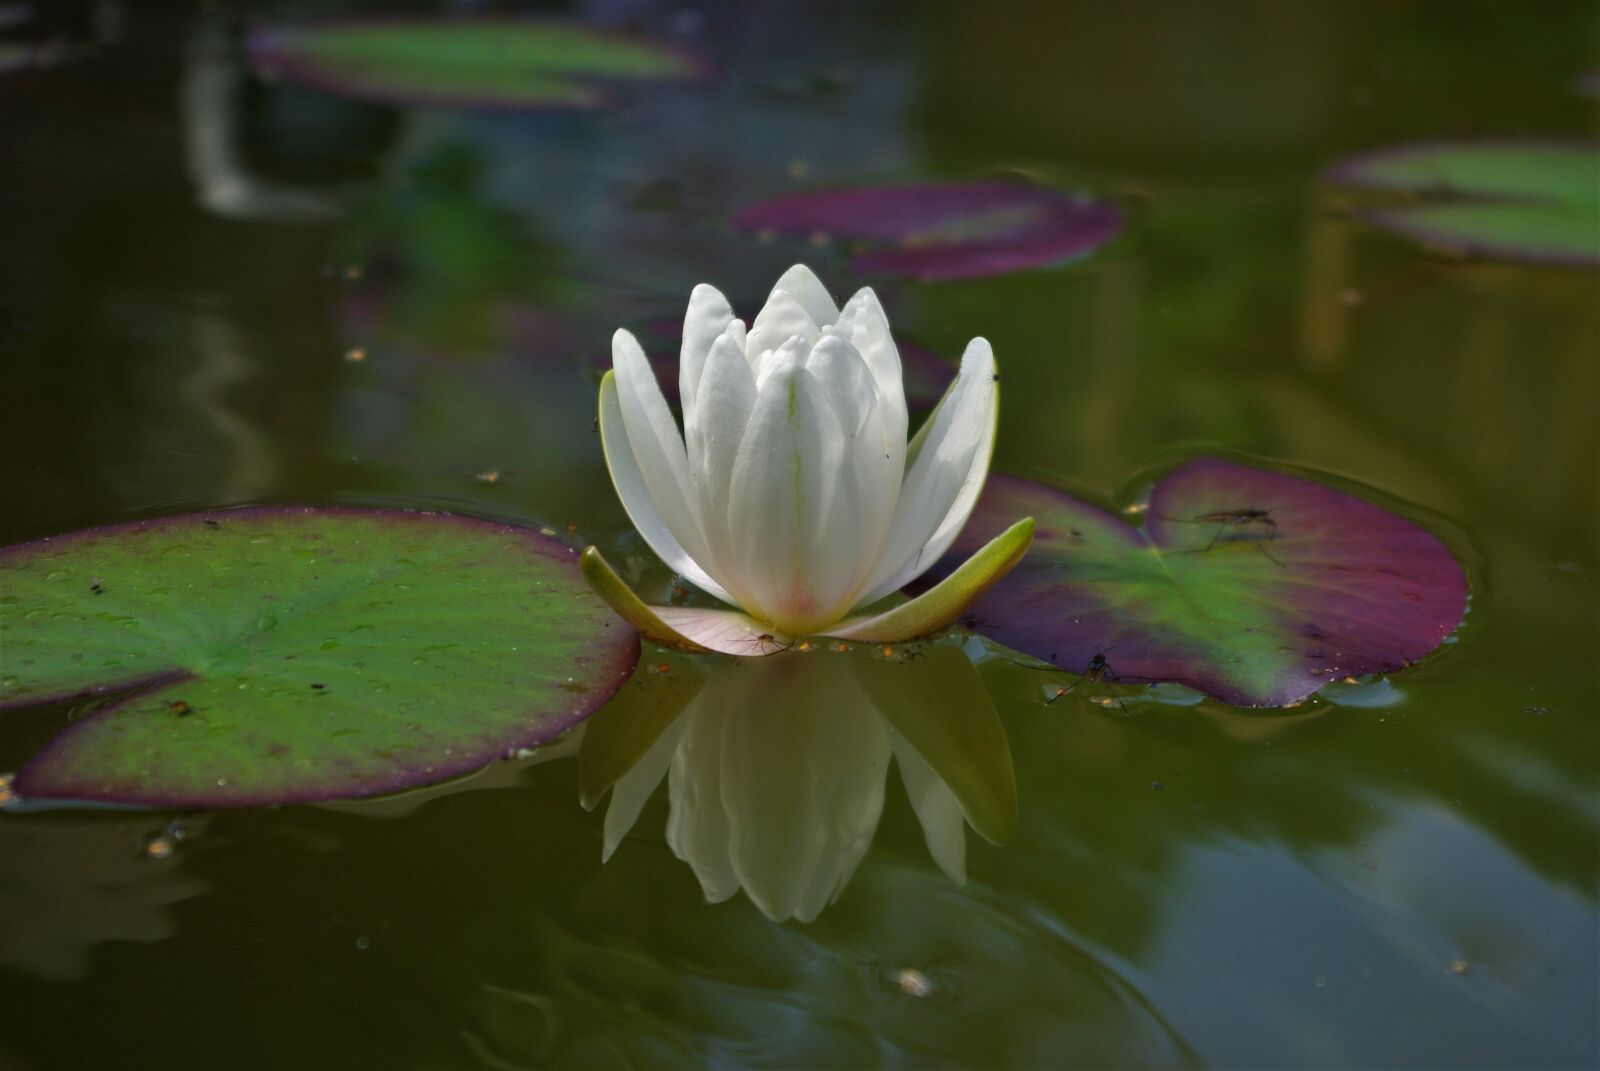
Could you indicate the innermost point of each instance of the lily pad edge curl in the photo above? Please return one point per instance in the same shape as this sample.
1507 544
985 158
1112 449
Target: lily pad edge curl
285 654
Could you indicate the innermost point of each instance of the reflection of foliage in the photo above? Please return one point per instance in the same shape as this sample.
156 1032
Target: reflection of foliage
443 264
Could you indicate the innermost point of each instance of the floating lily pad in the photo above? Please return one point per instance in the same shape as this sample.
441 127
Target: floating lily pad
1535 201
480 63
946 230
282 654
1253 586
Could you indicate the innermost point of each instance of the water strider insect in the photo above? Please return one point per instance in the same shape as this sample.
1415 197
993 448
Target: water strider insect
1238 521
180 708
767 637
1098 670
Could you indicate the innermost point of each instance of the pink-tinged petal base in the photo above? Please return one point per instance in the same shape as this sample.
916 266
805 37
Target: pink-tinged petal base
698 630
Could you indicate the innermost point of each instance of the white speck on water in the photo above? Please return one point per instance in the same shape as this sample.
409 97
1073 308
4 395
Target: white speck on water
914 983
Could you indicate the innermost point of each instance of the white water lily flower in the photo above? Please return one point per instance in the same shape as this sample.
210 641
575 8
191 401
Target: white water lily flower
792 492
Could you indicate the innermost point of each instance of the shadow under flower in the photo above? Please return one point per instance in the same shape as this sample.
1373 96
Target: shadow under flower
776 767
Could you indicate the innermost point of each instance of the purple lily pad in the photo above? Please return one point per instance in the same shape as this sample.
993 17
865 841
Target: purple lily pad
271 655
926 375
477 63
1253 586
1536 201
946 230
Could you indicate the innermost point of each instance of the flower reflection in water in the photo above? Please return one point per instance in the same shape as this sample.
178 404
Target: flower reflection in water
776 767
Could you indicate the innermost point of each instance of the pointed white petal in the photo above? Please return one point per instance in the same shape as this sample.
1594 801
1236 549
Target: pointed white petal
945 476
781 318
864 325
869 480
791 354
801 282
845 380
707 317
643 510
784 507
722 411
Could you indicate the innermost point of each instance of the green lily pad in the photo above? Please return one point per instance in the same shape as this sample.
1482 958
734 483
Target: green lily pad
1535 201
271 655
479 63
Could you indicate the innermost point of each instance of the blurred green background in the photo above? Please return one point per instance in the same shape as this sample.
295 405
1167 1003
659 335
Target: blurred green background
216 289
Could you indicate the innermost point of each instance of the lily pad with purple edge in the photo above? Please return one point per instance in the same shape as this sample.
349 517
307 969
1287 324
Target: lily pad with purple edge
945 230
474 63
271 655
1535 201
1253 586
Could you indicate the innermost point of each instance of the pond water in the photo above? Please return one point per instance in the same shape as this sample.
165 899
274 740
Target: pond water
217 288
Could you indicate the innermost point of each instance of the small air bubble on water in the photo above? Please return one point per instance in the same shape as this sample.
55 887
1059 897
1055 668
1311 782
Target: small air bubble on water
913 983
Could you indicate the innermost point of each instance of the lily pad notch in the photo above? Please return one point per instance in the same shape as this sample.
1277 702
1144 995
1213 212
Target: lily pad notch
272 655
1254 586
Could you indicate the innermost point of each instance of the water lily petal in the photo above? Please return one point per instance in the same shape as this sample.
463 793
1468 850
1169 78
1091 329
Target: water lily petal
714 429
698 630
724 631
781 318
864 325
946 467
869 481
627 475
708 316
845 379
791 354
802 283
942 604
784 504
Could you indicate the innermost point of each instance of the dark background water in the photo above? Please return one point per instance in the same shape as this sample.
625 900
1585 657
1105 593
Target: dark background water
1410 883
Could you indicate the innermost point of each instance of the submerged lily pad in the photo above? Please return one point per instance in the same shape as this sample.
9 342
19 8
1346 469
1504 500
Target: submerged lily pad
1254 586
496 63
946 230
1535 201
284 654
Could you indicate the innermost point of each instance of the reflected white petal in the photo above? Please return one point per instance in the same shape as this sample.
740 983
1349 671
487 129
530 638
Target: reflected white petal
944 827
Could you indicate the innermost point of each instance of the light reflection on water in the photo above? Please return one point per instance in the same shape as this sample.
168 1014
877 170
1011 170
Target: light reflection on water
1410 880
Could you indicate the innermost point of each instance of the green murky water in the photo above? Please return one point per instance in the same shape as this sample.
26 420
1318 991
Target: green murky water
1399 878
